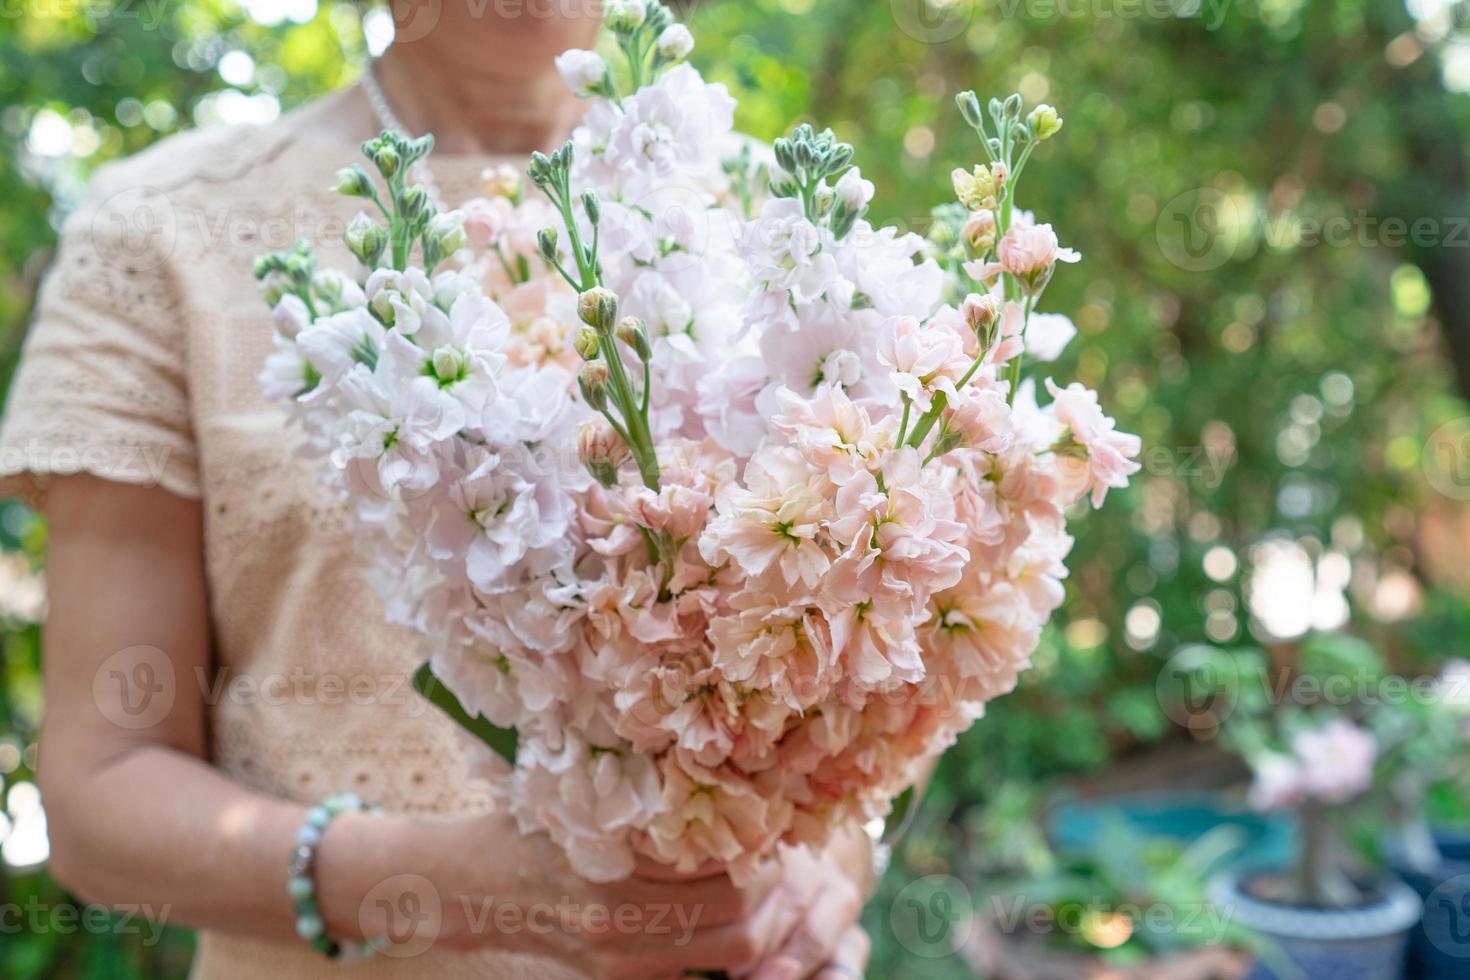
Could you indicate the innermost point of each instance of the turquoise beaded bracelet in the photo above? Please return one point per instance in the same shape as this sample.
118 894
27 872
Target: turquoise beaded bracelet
301 884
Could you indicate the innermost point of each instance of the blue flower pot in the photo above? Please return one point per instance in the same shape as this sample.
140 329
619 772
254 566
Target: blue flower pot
1440 948
1365 943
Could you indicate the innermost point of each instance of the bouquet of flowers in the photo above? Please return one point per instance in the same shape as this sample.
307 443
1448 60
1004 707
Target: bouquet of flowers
720 511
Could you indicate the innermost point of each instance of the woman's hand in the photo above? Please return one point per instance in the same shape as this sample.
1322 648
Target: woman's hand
476 882
826 942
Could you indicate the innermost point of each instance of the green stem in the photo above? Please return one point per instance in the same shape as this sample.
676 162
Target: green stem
398 230
927 420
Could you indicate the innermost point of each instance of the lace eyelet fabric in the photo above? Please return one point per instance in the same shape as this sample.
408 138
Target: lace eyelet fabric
140 368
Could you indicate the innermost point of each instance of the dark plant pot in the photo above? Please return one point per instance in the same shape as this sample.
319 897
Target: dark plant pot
1001 955
1440 948
1364 943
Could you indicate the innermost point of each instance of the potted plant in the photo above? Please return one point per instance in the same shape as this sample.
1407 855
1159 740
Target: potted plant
1130 907
1317 748
1429 845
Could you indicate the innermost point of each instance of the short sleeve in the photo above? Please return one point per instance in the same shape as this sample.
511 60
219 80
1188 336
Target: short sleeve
101 386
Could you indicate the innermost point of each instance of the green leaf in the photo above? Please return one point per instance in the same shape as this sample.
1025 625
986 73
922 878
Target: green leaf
502 741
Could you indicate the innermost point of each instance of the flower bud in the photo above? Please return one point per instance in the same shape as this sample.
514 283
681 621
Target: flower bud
594 381
675 43
601 450
625 15
413 203
366 239
546 242
274 285
979 231
585 72
586 343
447 228
980 311
632 332
386 159
823 200
854 191
1044 122
448 364
540 169
969 106
592 206
598 307
354 182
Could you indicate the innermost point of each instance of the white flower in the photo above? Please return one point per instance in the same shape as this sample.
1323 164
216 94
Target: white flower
675 42
668 126
624 15
334 344
1047 335
854 191
785 252
287 372
290 316
583 71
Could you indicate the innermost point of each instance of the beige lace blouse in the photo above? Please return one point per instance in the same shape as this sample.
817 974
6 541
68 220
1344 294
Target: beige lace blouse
140 368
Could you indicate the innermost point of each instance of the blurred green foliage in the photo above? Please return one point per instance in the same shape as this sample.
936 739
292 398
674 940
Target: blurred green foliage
1239 175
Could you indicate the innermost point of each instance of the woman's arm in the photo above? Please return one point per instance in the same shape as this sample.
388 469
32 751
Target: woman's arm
138 817
135 814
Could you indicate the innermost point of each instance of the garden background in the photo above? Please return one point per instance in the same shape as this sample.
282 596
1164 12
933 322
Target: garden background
1270 196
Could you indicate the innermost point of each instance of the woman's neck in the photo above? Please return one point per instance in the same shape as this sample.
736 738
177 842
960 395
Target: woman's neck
478 101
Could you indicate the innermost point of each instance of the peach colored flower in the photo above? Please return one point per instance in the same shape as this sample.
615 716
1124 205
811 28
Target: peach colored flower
1107 456
714 814
776 521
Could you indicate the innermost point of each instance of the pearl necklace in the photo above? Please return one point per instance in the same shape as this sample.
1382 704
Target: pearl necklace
388 119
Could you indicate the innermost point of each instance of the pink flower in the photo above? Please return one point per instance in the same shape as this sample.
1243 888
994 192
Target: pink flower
1106 455
833 432
679 510
775 524
985 630
900 540
982 419
924 358
1336 760
874 649
485 219
714 814
1332 764
1028 252
785 650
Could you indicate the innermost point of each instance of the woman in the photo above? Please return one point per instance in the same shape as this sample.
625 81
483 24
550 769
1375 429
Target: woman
215 663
